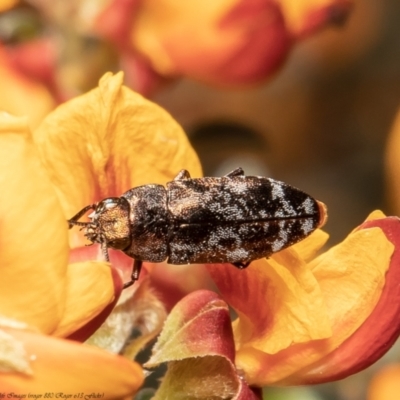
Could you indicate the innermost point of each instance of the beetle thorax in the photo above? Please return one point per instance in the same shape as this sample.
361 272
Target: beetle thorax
110 223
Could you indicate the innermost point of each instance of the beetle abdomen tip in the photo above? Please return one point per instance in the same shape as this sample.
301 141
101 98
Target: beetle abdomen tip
323 214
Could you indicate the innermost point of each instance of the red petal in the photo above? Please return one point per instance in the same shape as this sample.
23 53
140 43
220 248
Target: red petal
199 325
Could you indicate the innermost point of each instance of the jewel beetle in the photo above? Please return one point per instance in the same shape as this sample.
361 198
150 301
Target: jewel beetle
231 219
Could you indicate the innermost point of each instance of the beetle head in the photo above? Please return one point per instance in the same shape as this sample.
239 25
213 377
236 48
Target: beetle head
109 223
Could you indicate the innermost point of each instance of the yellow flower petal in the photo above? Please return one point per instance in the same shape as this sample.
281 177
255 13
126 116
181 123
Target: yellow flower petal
278 301
286 306
308 248
34 248
62 366
377 214
378 331
89 289
351 277
108 141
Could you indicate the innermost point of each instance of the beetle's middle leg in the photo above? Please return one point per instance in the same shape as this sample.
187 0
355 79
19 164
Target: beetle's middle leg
137 266
241 265
104 250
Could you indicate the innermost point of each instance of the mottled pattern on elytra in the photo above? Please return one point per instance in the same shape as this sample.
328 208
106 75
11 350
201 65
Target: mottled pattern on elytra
235 219
228 219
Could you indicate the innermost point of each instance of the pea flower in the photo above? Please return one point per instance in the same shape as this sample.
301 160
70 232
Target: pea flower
94 146
232 42
41 294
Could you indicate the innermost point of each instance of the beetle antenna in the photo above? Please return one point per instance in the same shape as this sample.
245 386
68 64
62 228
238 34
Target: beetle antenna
74 220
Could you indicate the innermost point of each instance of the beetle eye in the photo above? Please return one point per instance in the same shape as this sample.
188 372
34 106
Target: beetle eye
120 243
105 205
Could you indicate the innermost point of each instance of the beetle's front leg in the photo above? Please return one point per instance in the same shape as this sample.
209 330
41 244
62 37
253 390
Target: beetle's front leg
137 266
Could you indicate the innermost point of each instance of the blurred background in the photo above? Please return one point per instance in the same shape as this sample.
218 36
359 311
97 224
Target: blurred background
318 116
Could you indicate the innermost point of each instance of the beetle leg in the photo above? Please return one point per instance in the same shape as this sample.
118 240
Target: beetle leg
241 265
104 250
236 172
183 174
137 265
74 220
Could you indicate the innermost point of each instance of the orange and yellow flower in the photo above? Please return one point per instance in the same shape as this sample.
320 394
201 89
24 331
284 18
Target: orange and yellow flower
38 286
95 146
224 43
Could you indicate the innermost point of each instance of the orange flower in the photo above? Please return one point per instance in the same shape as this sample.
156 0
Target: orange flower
94 146
301 319
224 43
344 322
227 42
37 285
107 141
